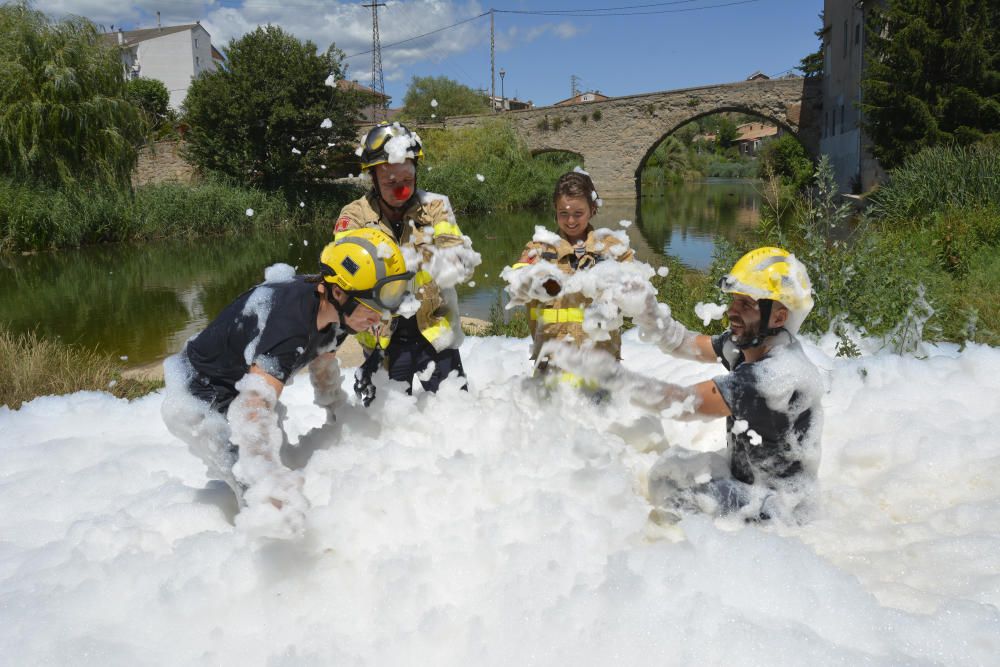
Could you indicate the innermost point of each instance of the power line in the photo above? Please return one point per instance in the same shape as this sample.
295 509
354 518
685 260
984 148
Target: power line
568 13
598 9
416 37
615 11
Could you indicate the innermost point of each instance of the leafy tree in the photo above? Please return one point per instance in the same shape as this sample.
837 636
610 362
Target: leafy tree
812 64
727 132
785 157
152 96
64 116
259 119
453 98
932 77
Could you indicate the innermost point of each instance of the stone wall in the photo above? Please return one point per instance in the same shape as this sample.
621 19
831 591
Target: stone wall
160 162
616 136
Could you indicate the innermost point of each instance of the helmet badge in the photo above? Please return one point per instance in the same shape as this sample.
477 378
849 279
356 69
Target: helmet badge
350 265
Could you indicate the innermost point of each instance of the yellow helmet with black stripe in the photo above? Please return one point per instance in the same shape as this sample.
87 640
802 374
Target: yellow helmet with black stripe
369 266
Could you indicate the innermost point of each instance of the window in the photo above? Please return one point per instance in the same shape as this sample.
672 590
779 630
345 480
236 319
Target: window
196 42
846 39
857 34
826 123
841 117
197 61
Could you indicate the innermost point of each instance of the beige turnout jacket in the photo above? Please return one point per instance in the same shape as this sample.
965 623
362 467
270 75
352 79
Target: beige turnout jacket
562 318
426 224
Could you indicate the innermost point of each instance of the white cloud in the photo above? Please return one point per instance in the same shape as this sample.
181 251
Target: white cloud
515 36
566 30
347 24
127 14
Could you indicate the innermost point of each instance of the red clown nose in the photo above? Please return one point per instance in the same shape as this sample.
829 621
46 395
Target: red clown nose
402 193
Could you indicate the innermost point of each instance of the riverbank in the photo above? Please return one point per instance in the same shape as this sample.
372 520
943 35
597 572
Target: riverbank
350 354
35 367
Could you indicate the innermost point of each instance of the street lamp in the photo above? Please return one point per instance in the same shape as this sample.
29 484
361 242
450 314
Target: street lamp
503 106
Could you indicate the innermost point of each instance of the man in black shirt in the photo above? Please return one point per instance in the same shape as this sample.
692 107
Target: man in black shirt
770 398
223 387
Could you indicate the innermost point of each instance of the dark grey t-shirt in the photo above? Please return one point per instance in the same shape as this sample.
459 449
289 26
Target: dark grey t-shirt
273 326
774 430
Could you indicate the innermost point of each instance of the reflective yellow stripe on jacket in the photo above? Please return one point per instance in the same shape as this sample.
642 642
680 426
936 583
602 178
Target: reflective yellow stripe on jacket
554 315
446 227
433 332
370 341
571 380
422 278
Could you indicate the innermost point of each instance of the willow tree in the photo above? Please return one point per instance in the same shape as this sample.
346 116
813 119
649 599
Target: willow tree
64 115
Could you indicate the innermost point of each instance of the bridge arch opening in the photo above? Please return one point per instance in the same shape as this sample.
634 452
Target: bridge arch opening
673 150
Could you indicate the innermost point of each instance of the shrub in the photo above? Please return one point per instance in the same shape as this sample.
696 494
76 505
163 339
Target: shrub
512 178
683 288
596 115
786 158
152 97
36 217
511 323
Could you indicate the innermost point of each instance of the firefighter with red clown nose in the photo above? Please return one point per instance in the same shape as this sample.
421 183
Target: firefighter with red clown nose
423 343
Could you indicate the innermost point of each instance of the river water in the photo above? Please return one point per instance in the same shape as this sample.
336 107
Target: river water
141 302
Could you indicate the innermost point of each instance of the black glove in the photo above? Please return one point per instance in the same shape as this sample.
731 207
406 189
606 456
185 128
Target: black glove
364 388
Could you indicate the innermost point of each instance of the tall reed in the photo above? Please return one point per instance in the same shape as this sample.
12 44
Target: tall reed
937 179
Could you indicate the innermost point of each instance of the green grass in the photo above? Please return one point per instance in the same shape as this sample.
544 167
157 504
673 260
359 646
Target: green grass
35 217
35 366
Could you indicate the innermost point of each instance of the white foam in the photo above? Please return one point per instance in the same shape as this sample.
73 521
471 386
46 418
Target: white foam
486 527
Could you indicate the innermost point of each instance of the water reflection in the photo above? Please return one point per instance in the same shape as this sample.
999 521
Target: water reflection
144 301
683 220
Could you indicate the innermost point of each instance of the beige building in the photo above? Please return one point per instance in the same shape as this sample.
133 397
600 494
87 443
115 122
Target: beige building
753 135
841 137
171 54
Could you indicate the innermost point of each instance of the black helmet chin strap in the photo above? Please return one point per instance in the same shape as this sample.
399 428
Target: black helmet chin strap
765 332
343 310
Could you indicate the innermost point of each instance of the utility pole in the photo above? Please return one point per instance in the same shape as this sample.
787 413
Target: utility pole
574 88
378 85
493 79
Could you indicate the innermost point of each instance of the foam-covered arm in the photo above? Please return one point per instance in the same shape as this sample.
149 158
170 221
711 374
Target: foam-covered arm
534 282
324 373
453 264
657 326
255 430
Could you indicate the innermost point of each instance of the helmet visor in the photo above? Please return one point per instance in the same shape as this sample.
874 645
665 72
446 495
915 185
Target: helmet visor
378 136
388 293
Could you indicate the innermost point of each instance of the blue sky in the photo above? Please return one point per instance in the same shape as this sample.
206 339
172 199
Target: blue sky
660 46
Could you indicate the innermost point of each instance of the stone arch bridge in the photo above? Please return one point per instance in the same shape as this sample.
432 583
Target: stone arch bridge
615 137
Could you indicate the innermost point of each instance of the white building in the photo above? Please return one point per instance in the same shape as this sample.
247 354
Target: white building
173 54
